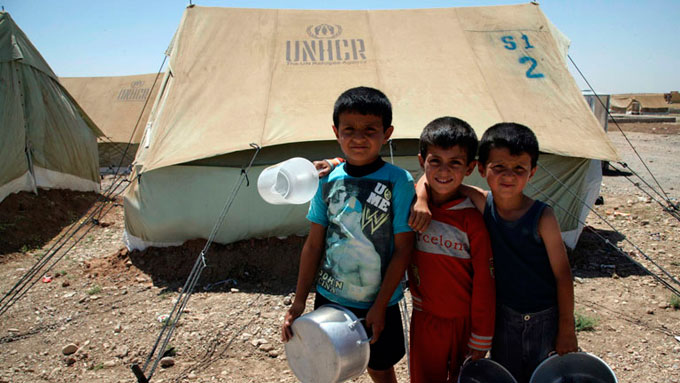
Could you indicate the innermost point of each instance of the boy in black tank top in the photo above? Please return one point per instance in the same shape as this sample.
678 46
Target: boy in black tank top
534 290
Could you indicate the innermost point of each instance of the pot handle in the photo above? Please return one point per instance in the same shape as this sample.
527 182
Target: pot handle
353 325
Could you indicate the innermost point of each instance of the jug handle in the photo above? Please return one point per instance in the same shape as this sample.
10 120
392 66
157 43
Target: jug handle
353 325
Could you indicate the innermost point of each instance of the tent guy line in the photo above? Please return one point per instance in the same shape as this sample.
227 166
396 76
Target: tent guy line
667 199
618 249
200 264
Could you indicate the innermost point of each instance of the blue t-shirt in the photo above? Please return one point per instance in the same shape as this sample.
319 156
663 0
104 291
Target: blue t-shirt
361 216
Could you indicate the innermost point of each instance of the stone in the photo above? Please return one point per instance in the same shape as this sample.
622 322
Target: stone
69 360
266 347
273 354
121 352
167 361
69 349
287 301
110 363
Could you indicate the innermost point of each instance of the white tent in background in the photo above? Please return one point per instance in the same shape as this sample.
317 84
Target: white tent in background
47 140
115 104
269 76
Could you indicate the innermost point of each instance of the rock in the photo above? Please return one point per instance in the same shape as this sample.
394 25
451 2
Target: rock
579 280
118 328
273 354
287 301
13 330
110 363
650 311
266 347
69 360
234 290
65 284
121 352
69 349
167 361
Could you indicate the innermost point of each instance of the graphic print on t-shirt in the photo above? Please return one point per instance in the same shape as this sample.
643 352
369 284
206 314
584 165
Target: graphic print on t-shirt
358 237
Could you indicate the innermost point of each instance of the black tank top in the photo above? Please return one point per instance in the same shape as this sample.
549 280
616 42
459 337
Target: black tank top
524 279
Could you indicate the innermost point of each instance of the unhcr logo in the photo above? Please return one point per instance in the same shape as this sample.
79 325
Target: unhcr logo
325 47
135 92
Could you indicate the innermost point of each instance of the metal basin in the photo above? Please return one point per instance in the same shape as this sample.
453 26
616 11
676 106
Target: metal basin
575 367
484 371
328 345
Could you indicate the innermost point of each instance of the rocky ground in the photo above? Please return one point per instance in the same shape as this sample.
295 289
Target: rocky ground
95 310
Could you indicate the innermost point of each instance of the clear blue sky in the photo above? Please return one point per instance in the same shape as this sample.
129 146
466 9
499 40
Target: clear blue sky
621 46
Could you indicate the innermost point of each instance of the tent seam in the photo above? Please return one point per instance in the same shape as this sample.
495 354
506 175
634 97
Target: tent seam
272 65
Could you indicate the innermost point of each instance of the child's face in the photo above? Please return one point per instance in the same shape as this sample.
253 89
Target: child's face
361 136
445 170
506 174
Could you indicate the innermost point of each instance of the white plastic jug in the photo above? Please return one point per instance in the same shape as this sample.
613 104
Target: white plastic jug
293 181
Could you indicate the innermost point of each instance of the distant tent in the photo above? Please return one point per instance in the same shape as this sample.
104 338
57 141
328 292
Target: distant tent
47 139
646 103
115 105
271 77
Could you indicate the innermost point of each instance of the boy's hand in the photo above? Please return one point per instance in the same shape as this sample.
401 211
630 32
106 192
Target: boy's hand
295 310
566 340
420 216
375 320
323 167
476 354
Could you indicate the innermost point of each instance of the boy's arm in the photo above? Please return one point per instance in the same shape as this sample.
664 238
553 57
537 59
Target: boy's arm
549 230
483 302
309 264
420 216
326 166
476 195
403 247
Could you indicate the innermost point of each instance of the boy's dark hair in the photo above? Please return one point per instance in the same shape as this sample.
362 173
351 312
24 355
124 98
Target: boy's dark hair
447 132
366 101
515 137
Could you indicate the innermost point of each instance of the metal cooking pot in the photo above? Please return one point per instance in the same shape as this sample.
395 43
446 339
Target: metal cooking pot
329 344
484 371
574 367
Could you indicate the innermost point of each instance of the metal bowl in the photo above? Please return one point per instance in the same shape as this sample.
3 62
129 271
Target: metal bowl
575 367
484 371
328 345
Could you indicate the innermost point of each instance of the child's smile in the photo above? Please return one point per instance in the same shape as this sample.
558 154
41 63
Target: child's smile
445 170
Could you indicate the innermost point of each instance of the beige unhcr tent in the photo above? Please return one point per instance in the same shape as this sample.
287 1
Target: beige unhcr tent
47 140
115 104
649 103
271 77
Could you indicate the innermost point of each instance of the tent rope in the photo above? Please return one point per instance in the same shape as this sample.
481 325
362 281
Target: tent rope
24 284
669 207
200 264
648 258
403 286
621 130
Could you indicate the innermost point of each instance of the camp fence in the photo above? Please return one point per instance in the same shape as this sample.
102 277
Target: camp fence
47 140
270 77
115 104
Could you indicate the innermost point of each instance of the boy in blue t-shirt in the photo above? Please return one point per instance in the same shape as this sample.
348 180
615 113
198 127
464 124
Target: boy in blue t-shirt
360 243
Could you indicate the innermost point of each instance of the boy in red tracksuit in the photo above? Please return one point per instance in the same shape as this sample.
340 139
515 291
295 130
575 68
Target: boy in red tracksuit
451 275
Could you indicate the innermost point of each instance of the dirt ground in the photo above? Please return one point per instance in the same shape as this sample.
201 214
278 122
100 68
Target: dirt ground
107 302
